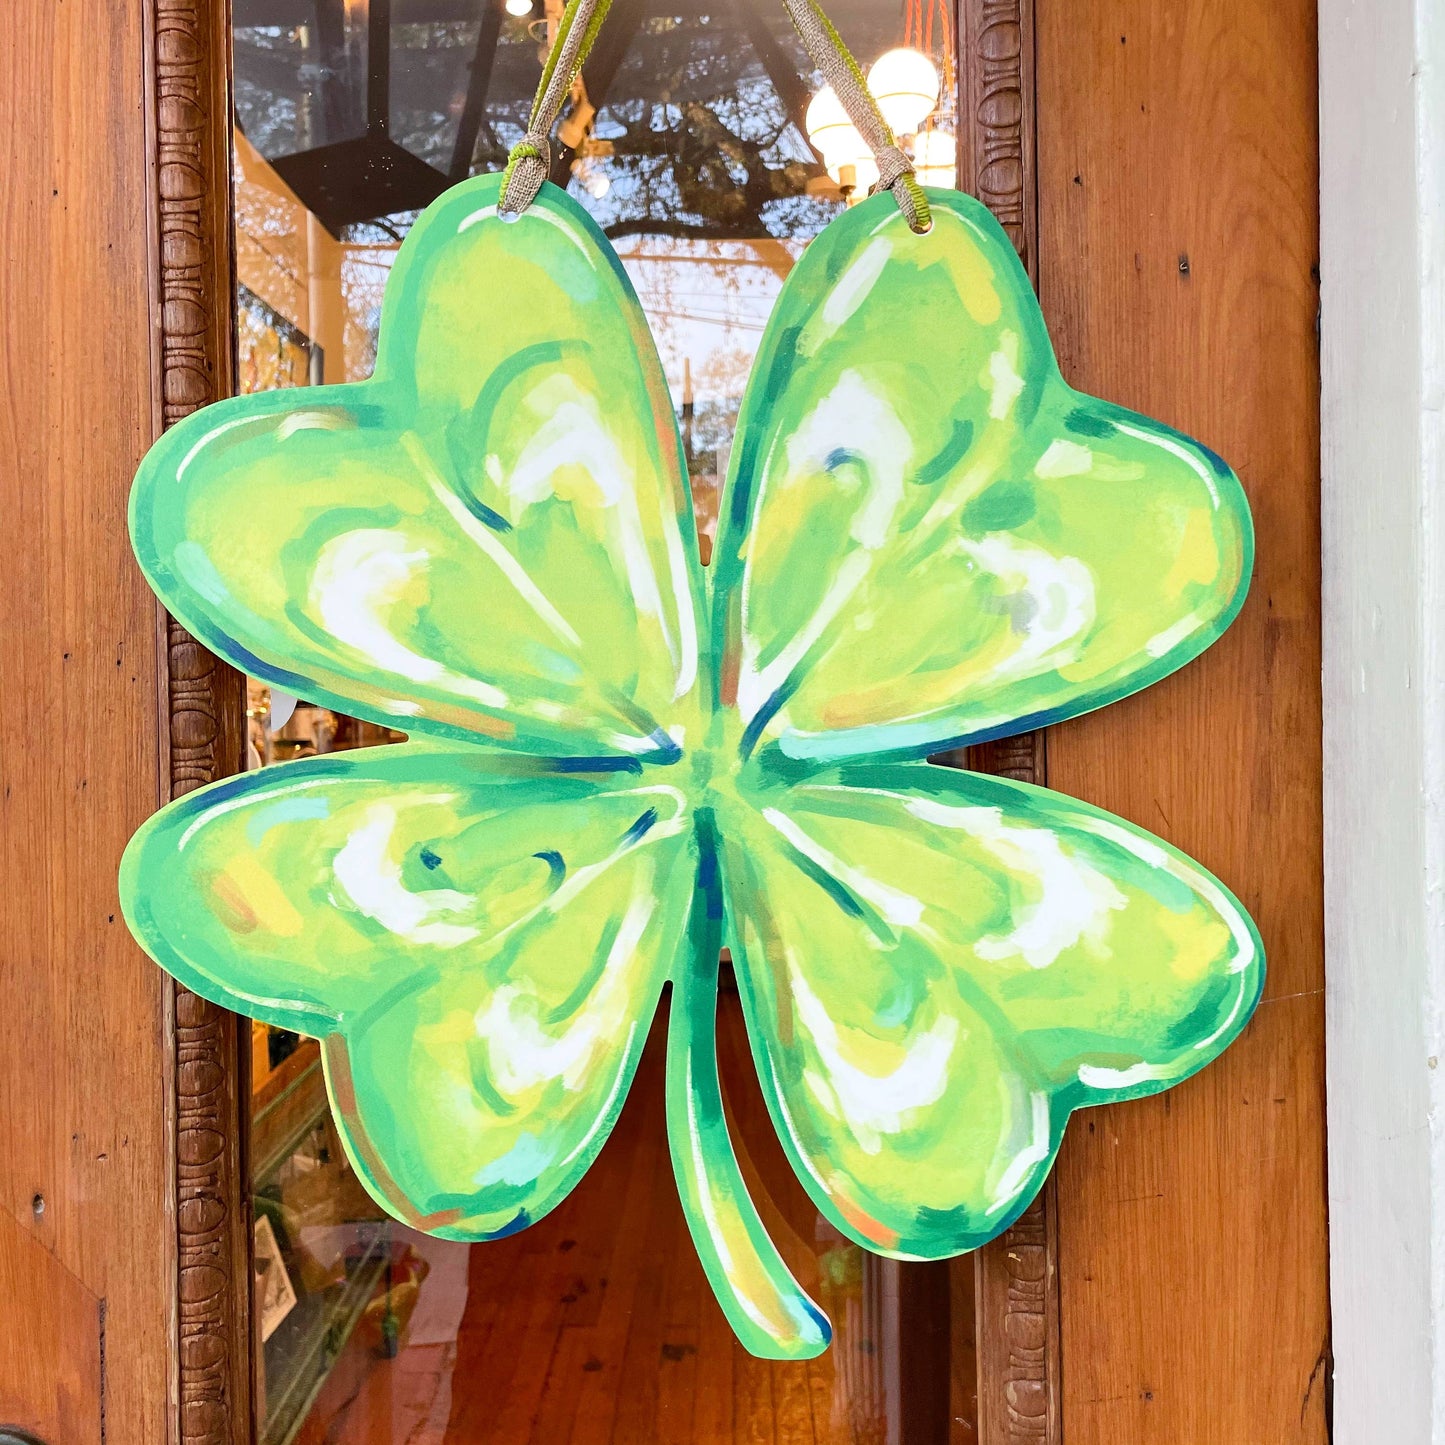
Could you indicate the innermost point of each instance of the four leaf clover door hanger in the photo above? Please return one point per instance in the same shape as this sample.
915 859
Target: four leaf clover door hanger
621 764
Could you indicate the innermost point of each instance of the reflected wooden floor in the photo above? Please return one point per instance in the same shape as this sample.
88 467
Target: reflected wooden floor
597 1327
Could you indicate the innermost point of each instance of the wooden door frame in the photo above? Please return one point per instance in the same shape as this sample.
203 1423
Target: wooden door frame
202 724
1382 193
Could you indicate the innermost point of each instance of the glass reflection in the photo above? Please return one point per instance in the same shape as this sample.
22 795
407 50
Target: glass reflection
596 1324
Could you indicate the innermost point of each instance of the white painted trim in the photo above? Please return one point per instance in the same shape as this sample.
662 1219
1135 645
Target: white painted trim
1382 144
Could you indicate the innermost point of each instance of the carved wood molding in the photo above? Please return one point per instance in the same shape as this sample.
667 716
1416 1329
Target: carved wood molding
207 701
204 702
1017 1289
1017 1317
996 116
1017 1297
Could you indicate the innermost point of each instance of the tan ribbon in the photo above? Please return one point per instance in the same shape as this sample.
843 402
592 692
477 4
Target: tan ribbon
530 160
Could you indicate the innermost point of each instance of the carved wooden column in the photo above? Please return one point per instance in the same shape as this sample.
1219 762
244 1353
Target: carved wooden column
1016 1290
996 117
203 730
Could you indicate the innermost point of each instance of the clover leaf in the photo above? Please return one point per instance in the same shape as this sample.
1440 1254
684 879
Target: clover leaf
619 766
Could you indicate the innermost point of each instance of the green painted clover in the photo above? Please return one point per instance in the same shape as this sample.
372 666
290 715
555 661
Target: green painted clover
617 767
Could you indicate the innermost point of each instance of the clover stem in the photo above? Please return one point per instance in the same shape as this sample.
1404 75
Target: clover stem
765 1305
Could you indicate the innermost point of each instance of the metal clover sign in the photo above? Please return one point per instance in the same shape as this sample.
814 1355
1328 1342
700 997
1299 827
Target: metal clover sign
619 766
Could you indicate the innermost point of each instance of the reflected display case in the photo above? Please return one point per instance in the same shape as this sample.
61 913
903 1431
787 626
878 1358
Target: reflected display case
328 1278
335 1280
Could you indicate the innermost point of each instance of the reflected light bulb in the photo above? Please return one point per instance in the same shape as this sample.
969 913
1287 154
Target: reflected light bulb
829 128
591 177
519 7
935 159
905 84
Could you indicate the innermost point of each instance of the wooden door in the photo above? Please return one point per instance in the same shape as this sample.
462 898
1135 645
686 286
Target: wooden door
1177 266
1155 162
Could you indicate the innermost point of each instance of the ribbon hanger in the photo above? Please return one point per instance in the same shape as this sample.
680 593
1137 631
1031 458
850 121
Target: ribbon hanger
530 160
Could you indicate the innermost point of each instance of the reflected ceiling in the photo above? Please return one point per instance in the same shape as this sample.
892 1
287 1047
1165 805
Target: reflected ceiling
370 111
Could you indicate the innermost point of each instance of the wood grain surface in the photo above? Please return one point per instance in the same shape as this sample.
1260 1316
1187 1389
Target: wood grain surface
85 1158
53 1391
1178 224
